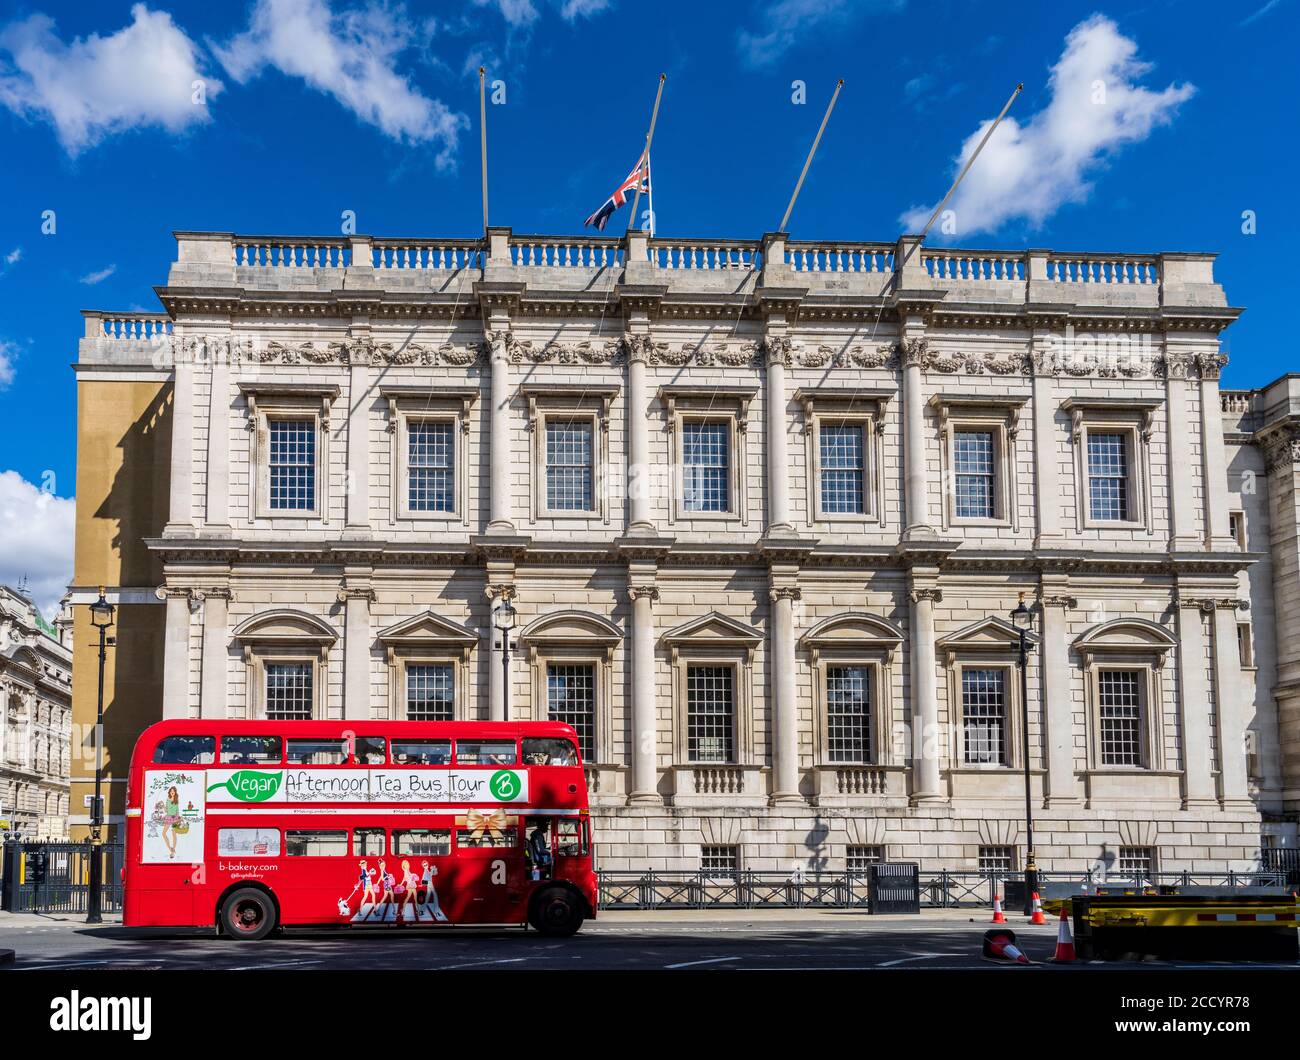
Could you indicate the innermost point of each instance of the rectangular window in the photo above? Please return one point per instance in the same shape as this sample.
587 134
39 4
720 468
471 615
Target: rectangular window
549 751
476 839
848 713
422 842
859 859
484 753
1245 649
984 715
183 750
1108 476
250 750
710 713
430 450
248 842
973 475
843 469
569 468
1237 528
571 699
1119 701
289 691
997 859
311 843
1135 862
367 842
359 750
422 752
720 859
291 461
571 837
429 692
706 467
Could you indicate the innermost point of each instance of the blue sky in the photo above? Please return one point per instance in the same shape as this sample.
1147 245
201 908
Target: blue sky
314 107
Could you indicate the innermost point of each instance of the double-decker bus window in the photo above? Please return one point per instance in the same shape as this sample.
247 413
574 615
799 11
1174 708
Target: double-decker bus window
472 839
185 751
250 750
549 751
423 842
367 842
311 843
421 752
571 838
485 753
248 842
369 750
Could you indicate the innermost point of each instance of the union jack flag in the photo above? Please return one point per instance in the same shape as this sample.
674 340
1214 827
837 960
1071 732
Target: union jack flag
637 180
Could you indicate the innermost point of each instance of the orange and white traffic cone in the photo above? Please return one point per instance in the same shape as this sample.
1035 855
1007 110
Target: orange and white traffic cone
998 916
1064 941
1036 917
1000 945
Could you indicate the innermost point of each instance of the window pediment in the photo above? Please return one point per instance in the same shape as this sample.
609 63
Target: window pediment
428 630
713 631
988 634
1132 636
853 631
571 629
285 626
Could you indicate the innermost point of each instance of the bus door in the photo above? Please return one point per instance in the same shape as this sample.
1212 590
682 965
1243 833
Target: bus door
572 847
490 881
314 873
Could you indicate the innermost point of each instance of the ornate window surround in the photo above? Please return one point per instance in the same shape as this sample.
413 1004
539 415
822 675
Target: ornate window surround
428 638
1134 417
861 407
576 638
425 404
1127 644
283 635
569 402
988 644
703 404
268 401
1000 415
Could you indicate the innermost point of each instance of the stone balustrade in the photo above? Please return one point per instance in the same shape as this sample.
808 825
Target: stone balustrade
840 257
291 252
705 255
973 265
1141 269
447 254
127 327
565 252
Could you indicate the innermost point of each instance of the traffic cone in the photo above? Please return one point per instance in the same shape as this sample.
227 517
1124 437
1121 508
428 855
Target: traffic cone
1064 941
1001 946
998 916
1036 917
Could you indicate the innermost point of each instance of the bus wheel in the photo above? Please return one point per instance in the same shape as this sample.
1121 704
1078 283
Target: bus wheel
248 914
556 912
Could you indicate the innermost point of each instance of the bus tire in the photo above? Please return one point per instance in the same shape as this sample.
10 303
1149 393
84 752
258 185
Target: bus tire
248 914
556 912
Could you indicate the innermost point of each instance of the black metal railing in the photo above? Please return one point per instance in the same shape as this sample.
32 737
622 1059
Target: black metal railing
52 877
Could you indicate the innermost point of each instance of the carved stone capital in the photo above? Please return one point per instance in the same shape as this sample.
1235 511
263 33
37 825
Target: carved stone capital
1062 600
356 592
635 592
933 595
785 592
499 591
914 353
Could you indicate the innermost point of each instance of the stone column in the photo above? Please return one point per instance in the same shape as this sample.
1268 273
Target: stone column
217 507
1058 705
497 590
926 743
176 652
1182 514
358 505
778 443
645 735
1198 760
356 597
180 510
1214 457
785 708
214 676
1047 472
917 501
638 436
1232 722
499 509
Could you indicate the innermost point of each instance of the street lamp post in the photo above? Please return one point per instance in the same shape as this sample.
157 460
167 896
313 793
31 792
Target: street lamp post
101 617
503 617
1023 619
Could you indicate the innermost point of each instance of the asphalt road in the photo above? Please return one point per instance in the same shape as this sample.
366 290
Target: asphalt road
825 940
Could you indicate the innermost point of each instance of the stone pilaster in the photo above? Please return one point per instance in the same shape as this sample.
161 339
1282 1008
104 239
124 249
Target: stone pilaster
1182 515
176 651
358 479
356 596
217 506
214 679
913 347
500 517
1047 477
638 435
1062 788
1213 455
926 740
1228 695
645 737
500 586
1198 759
180 499
785 708
777 346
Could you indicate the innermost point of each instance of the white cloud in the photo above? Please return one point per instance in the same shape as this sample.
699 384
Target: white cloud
517 13
7 352
575 9
13 257
786 21
1027 172
36 536
95 86
350 55
99 275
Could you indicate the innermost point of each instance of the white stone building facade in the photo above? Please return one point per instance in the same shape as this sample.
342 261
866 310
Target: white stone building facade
763 508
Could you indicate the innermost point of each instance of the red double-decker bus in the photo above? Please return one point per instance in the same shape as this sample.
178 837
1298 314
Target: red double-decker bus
255 825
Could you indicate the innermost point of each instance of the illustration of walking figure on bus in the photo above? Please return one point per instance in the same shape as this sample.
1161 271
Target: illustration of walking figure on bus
386 898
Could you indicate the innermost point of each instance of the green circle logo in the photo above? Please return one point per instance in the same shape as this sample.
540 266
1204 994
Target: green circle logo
504 785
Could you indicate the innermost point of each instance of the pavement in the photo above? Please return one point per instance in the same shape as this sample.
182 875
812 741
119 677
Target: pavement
682 940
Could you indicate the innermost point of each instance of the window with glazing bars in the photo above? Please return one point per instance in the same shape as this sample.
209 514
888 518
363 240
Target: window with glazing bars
568 466
859 859
1108 476
1135 861
710 713
720 859
706 467
973 474
848 713
984 715
289 691
571 699
997 859
430 475
429 695
1119 701
291 461
843 469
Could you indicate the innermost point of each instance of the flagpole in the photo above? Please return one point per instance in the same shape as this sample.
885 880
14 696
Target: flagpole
649 138
812 151
650 195
482 124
